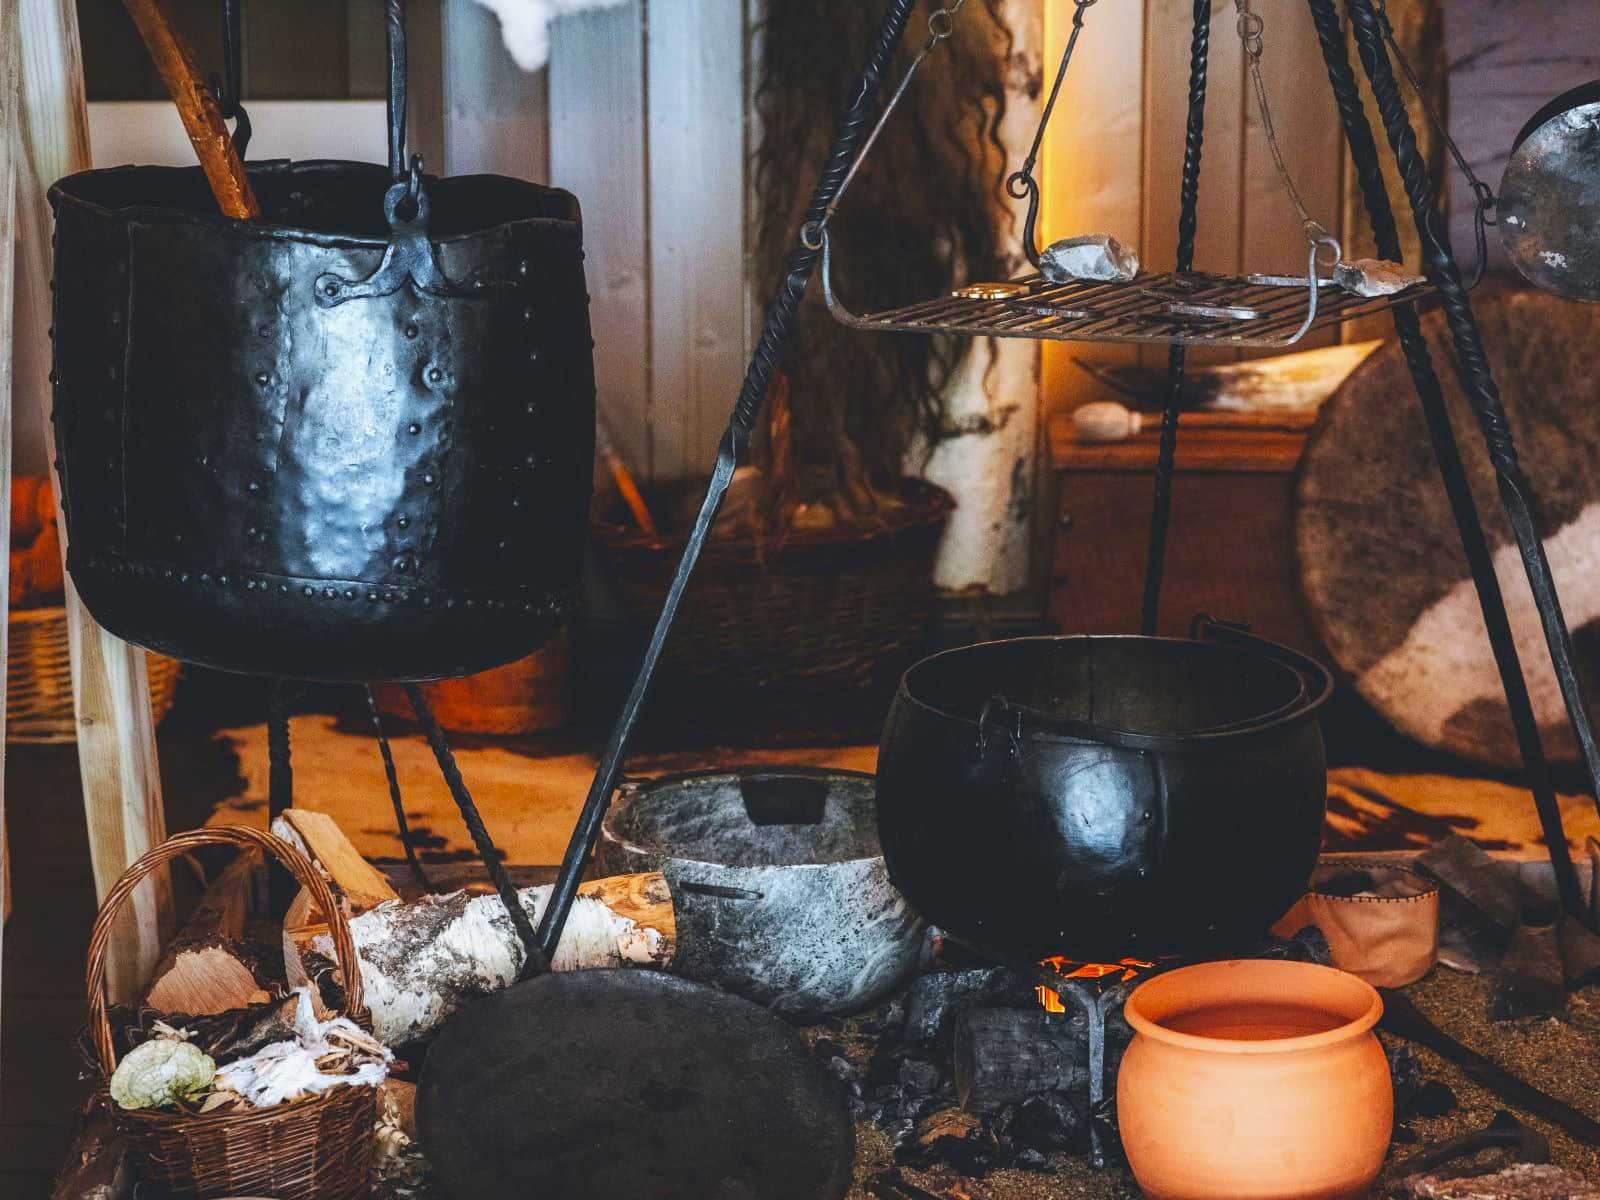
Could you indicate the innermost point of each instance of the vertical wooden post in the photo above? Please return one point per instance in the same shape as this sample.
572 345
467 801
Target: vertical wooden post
111 694
10 143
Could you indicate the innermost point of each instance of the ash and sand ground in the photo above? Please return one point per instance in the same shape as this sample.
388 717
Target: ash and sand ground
1560 1057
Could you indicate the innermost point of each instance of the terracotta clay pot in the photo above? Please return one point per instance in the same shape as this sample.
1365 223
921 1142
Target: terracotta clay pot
524 697
1252 1080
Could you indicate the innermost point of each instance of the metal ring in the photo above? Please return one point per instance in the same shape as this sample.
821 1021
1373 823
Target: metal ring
1020 185
811 235
1487 200
1250 27
942 23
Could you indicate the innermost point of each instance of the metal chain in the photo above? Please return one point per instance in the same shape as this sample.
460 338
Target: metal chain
1021 185
1251 28
941 27
1483 195
1023 177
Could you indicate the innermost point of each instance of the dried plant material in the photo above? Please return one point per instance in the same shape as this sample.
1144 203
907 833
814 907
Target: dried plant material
322 1055
161 1073
256 1028
1095 257
1372 277
222 1099
1520 1181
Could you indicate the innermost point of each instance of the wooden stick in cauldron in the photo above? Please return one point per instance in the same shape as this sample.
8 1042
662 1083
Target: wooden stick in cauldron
202 117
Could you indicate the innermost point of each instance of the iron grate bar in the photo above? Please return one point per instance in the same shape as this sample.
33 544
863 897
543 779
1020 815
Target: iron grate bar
1135 311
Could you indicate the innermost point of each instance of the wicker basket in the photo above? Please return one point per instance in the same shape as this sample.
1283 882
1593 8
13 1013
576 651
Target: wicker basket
318 1148
39 680
825 608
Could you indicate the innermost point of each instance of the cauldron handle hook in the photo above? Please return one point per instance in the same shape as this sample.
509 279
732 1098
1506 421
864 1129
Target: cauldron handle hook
409 257
996 709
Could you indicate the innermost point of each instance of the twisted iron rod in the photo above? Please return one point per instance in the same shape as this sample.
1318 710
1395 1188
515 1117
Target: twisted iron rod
1188 224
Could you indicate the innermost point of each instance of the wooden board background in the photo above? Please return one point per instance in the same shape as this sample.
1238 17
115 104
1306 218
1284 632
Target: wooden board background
1507 58
647 119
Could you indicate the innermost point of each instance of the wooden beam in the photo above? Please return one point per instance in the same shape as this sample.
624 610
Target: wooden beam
10 143
111 694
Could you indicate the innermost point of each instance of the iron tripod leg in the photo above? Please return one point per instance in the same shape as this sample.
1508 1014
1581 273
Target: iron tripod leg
281 886
1409 328
1188 223
535 961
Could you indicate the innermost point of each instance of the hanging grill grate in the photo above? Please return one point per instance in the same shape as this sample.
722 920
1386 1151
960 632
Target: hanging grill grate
1176 309
1192 309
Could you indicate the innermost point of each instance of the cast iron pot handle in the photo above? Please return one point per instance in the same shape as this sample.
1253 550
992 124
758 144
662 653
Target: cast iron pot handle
1313 675
409 258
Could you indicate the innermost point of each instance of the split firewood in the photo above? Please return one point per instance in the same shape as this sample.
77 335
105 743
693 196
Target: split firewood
209 967
1005 1055
424 959
359 885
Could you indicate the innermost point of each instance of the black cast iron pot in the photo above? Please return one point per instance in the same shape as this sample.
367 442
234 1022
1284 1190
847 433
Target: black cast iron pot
1100 797
337 444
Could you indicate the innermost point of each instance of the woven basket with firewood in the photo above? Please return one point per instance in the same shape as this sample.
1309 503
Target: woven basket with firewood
274 1123
39 663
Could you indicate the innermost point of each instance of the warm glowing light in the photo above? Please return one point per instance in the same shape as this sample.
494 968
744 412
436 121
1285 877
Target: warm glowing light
1070 969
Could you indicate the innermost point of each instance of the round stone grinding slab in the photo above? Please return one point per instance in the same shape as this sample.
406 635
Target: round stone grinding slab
603 1084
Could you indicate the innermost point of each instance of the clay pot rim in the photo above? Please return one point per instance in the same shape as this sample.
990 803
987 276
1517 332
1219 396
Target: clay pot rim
1355 989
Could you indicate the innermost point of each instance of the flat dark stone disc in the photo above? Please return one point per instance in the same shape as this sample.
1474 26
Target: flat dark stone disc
617 1083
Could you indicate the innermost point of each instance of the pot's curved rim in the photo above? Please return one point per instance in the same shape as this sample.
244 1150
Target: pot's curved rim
68 190
1581 96
630 793
1361 1005
1293 714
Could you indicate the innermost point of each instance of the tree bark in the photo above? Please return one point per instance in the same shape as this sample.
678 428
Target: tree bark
421 961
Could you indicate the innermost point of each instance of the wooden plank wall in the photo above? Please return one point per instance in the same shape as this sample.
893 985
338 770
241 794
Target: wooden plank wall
647 126
1506 59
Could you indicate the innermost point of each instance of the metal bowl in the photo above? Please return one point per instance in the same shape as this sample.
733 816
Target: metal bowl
781 891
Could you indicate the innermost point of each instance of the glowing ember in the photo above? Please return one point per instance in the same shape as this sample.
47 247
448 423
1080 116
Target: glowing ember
1067 968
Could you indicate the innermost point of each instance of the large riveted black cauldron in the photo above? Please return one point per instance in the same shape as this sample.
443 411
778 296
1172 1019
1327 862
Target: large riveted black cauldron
1099 797
325 445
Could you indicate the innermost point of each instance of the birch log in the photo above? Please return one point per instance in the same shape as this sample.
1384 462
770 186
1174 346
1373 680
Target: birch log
421 961
10 142
110 689
987 458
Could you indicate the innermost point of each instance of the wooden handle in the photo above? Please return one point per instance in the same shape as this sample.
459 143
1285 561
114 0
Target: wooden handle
202 118
623 478
244 836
